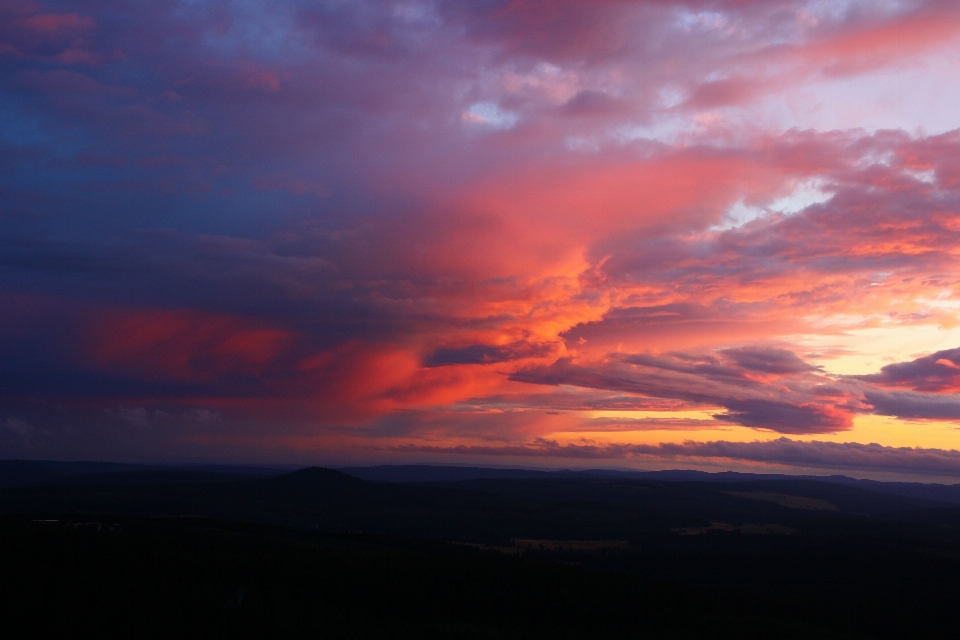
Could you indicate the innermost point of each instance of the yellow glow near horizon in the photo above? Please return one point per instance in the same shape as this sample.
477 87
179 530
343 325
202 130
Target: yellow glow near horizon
884 430
700 414
895 432
871 349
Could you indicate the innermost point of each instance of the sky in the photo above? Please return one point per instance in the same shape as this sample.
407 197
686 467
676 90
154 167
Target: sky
712 234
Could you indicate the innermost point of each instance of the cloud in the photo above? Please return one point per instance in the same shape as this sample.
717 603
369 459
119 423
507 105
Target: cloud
644 424
592 103
848 456
487 354
29 31
787 418
936 373
329 216
17 434
721 92
760 387
768 388
773 361
912 405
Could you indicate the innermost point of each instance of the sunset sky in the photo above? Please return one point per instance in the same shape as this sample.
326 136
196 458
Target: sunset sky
559 234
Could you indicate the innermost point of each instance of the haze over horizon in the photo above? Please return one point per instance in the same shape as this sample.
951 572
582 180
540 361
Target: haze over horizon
713 234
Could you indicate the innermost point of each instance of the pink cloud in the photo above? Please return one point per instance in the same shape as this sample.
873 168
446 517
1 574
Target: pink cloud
46 23
759 387
887 43
27 31
261 81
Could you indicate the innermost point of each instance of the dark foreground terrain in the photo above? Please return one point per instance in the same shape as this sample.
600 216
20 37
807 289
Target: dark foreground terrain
319 553
166 577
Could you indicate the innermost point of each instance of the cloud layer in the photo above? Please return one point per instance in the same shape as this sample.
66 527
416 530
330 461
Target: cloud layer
847 456
332 228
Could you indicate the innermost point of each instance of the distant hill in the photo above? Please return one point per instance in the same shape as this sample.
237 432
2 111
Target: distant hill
949 493
560 505
438 473
29 473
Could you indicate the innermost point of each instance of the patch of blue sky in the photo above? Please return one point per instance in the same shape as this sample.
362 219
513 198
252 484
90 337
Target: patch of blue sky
838 10
416 12
269 31
21 129
700 20
490 114
804 194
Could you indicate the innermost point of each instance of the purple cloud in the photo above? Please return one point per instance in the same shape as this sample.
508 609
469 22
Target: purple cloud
760 387
788 396
487 353
850 456
936 373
